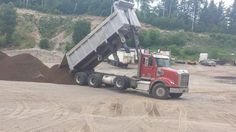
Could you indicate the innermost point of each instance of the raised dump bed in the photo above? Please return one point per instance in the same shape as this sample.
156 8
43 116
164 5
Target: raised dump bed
104 40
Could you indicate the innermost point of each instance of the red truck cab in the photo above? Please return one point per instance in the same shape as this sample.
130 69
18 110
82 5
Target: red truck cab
164 81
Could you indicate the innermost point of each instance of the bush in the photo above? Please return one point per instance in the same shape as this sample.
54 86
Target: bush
150 38
81 29
49 26
175 50
7 21
2 41
44 44
69 47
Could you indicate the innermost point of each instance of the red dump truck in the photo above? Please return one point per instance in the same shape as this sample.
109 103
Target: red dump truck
153 69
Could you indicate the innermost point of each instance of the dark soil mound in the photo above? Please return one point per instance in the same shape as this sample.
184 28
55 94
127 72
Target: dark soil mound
60 75
23 67
3 55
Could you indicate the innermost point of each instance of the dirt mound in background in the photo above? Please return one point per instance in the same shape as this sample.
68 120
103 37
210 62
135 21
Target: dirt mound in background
3 55
25 67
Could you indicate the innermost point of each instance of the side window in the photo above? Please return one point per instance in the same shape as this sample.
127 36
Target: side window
149 61
146 61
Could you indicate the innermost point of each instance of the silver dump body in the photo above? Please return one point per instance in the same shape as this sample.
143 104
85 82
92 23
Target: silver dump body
105 39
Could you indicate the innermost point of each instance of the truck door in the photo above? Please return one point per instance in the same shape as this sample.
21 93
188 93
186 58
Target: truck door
147 68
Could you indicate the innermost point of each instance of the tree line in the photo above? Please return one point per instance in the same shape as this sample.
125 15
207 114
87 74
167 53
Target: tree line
190 15
93 7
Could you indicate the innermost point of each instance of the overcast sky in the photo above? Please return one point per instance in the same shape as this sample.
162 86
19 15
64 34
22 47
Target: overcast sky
227 2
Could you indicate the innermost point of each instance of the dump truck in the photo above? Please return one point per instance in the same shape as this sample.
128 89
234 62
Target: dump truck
153 69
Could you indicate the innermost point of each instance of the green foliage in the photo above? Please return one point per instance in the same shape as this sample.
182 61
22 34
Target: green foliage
2 41
7 21
175 51
153 38
26 23
186 45
69 46
23 41
190 15
93 7
44 44
81 29
224 39
48 26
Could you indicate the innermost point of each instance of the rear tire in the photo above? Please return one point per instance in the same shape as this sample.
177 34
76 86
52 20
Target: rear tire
175 95
159 91
95 80
81 78
121 83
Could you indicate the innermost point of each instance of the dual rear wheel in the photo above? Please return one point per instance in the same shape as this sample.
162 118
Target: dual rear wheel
95 80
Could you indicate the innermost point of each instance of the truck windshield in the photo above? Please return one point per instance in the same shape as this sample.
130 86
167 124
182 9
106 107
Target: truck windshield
163 62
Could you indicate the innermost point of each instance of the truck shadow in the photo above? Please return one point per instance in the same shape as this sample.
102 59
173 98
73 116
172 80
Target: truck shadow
135 92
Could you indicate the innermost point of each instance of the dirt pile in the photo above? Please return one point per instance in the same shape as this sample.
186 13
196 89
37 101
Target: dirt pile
60 75
25 67
3 56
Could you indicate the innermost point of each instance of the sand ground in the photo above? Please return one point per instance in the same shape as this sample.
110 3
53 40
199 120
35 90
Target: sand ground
210 105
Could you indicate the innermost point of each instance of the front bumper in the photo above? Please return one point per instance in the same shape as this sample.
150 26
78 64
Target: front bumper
179 90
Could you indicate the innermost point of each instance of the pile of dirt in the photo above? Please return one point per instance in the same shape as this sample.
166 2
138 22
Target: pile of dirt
60 75
25 67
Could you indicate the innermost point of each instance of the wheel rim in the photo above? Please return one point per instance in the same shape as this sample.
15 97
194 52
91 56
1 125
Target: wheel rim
160 92
99 58
77 79
92 81
119 83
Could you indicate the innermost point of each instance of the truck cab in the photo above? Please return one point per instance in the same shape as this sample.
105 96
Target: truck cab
164 80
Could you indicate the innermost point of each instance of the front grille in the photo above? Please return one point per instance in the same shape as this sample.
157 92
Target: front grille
184 80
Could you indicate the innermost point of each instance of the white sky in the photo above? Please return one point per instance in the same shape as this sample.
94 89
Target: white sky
227 2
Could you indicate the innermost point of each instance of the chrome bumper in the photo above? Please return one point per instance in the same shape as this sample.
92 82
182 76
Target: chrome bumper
179 90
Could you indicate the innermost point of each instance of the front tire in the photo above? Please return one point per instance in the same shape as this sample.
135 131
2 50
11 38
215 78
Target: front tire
159 91
175 95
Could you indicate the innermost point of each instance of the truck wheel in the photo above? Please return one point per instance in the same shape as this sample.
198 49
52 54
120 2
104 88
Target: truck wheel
175 95
121 83
95 80
159 91
81 78
99 57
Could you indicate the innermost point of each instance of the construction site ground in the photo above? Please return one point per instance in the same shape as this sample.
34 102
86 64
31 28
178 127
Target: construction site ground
209 106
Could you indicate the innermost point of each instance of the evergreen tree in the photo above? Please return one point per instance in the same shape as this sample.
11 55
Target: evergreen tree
7 21
169 7
232 19
209 17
